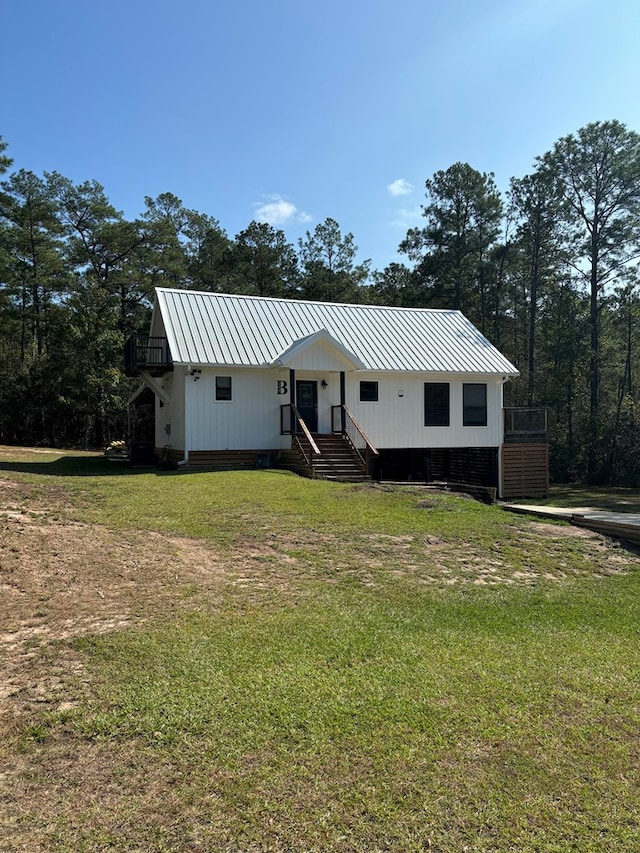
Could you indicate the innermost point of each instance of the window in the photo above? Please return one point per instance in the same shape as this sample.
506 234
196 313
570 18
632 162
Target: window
436 404
223 387
368 392
474 404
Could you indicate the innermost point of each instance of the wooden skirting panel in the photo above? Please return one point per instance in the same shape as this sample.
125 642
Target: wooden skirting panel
231 460
476 466
291 460
222 460
525 470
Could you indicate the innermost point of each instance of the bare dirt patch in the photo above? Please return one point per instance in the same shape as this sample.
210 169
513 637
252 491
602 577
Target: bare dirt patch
61 579
560 531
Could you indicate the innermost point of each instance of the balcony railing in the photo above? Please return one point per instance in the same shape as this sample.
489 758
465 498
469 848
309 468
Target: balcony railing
151 355
525 425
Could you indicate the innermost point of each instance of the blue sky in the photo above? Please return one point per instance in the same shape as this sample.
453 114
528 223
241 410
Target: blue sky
290 111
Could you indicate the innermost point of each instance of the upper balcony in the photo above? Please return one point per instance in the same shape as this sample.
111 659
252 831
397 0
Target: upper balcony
147 355
525 426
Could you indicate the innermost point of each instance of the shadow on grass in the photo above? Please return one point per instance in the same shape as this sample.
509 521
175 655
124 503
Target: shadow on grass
608 499
82 466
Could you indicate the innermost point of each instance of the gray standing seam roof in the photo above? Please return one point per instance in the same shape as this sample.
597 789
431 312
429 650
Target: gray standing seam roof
248 331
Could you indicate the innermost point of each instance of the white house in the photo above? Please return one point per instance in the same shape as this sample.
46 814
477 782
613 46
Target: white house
326 389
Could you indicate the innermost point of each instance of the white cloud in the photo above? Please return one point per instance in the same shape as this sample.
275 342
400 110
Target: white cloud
400 187
276 210
407 217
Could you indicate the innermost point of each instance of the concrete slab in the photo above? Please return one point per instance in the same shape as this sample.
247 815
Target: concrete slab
619 525
626 518
544 511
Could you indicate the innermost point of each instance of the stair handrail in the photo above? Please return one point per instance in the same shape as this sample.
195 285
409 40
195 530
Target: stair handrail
294 415
305 429
369 449
361 431
296 440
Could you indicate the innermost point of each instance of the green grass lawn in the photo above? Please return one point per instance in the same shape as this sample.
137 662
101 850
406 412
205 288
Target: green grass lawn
382 669
395 721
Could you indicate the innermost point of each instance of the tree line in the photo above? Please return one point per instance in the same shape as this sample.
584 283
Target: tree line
548 272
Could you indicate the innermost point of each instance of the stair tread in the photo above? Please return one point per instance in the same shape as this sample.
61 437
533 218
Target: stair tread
338 460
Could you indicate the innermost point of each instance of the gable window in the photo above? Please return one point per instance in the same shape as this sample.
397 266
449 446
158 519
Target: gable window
368 392
223 388
474 404
436 404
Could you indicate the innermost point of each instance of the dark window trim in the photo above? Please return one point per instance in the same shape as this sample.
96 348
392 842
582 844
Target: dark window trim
219 390
430 418
374 391
474 415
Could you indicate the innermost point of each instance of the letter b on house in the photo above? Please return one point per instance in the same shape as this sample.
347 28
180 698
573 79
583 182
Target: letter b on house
282 386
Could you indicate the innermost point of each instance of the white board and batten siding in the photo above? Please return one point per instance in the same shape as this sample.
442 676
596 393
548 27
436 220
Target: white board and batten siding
320 356
396 420
249 421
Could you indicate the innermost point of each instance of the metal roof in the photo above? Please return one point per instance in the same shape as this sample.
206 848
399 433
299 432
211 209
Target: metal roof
221 329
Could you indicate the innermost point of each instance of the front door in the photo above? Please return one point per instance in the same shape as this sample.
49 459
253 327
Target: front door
307 402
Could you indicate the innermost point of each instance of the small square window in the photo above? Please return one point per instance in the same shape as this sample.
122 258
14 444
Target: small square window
474 404
368 392
223 388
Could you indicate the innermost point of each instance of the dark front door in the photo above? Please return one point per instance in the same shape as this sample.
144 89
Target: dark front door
307 402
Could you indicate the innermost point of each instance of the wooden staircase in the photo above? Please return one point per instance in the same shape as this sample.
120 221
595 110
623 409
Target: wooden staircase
338 460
